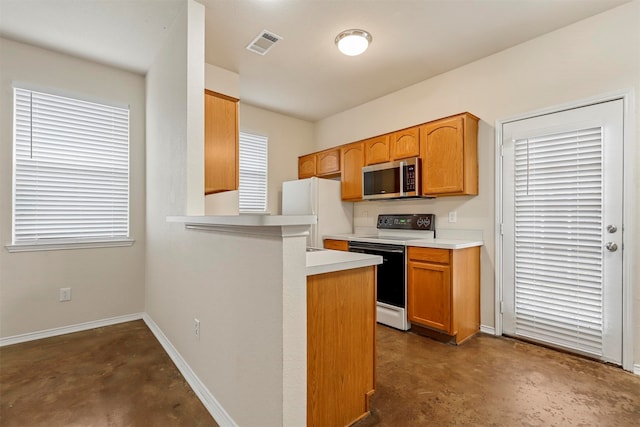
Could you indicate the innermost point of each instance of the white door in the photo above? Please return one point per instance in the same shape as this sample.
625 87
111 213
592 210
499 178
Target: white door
562 219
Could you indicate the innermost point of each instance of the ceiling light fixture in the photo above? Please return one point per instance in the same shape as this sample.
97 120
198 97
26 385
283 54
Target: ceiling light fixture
353 42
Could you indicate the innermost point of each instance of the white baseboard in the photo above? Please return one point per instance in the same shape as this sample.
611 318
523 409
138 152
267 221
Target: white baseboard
488 329
213 406
31 336
636 369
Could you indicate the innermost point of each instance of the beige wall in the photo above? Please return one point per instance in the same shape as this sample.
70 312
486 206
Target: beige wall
587 59
232 284
288 139
105 282
222 81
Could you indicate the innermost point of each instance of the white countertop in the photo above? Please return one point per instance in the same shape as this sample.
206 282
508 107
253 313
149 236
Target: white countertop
326 261
424 243
246 220
445 243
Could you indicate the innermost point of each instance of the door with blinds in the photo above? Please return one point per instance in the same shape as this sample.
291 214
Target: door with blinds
562 229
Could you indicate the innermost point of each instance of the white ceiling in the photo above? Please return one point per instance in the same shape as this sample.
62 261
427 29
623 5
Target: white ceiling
304 75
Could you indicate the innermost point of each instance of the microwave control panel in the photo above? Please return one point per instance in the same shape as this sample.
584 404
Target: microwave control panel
410 178
425 222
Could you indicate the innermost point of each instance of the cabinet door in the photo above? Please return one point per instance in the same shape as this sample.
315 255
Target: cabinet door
220 143
336 245
341 342
405 143
376 150
352 160
306 166
429 295
449 156
328 162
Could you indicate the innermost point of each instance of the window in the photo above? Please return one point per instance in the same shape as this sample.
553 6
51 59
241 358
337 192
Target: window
71 172
253 173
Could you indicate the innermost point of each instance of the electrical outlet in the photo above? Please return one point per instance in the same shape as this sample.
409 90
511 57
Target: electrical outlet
453 216
196 328
65 294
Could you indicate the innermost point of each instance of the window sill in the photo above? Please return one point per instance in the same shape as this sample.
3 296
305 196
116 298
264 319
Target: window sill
68 244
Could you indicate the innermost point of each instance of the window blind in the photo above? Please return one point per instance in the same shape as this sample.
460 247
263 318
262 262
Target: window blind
71 176
253 172
558 239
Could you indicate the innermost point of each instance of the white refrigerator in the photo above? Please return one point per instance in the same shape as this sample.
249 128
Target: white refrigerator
320 197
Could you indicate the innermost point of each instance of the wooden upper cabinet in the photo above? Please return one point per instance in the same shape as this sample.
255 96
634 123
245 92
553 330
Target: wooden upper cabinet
352 161
328 162
306 166
447 147
449 152
405 143
220 143
376 150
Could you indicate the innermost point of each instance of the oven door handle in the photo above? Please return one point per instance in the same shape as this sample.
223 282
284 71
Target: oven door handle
367 248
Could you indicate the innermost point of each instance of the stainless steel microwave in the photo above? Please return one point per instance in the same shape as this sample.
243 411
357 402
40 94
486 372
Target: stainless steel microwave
391 180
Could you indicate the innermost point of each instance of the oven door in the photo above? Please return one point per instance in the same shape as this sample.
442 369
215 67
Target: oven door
391 273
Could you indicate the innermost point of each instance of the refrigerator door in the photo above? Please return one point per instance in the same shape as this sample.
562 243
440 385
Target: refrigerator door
300 197
334 215
320 197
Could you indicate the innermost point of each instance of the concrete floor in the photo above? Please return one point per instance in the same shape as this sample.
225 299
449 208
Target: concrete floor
491 381
120 376
113 376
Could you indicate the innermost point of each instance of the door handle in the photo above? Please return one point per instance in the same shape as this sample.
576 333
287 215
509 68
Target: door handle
612 228
611 247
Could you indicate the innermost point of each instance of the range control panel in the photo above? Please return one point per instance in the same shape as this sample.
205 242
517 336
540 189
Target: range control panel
407 222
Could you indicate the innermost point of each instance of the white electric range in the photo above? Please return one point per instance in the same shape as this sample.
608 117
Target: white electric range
394 231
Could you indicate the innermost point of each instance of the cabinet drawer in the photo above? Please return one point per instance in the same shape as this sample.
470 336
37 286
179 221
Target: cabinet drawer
440 256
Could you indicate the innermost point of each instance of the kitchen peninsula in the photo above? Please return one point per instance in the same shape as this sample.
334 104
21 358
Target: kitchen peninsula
327 377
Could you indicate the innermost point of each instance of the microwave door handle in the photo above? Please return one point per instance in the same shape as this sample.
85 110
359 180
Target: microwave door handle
402 178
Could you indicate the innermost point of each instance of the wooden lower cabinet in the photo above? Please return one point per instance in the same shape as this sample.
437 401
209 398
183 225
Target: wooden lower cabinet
336 245
443 290
341 324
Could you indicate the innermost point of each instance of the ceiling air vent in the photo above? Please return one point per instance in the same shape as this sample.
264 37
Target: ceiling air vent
263 42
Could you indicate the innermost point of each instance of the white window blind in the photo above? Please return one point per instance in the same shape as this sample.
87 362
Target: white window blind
253 173
558 234
71 176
